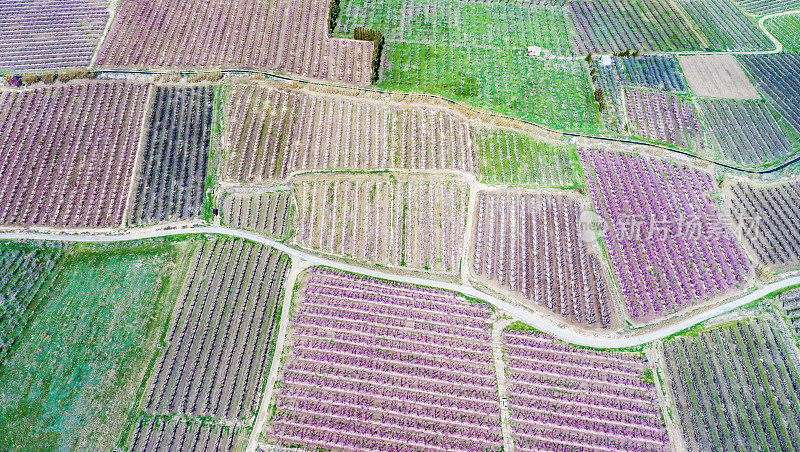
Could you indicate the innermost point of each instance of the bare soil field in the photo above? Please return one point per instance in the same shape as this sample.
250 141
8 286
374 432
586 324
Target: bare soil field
718 76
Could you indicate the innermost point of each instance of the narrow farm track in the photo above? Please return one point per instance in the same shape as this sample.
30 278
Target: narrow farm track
762 25
545 325
488 114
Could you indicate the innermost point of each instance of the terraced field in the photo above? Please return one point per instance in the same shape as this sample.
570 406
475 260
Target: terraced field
566 398
657 72
242 34
763 7
768 217
778 79
269 213
222 333
511 158
156 433
724 377
25 272
68 161
725 26
41 35
607 26
377 365
744 132
789 302
392 220
662 117
787 30
476 53
533 246
273 132
664 233
170 183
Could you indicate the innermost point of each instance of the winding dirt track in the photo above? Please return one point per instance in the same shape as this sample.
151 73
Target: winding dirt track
543 324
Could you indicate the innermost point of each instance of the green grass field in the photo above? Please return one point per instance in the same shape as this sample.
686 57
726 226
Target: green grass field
72 375
476 53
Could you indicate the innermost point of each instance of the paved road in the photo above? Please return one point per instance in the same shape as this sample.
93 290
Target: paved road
544 324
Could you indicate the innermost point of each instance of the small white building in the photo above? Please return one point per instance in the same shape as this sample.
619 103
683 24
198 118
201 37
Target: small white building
606 60
538 52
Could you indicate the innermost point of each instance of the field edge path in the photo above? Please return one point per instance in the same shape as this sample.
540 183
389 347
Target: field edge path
543 324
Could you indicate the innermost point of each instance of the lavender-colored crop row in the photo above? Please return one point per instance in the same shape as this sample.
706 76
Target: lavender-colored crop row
565 398
286 36
769 218
662 117
668 245
68 152
614 25
722 378
377 365
745 132
43 35
777 77
532 245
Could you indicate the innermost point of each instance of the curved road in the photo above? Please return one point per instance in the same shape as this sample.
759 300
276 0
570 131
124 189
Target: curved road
544 324
762 26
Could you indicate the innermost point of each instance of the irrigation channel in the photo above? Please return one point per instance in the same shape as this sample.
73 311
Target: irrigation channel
541 323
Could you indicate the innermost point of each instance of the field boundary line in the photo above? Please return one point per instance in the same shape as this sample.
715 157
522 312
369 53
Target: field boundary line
112 15
298 266
502 384
140 149
489 114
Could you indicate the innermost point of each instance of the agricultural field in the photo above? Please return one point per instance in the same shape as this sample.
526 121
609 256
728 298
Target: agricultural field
532 245
476 53
769 218
43 35
273 132
170 181
661 226
777 76
789 302
25 273
508 157
391 220
724 26
378 365
743 132
68 153
71 376
718 76
156 433
723 378
241 34
657 72
662 117
270 213
605 26
220 340
787 30
764 7
563 397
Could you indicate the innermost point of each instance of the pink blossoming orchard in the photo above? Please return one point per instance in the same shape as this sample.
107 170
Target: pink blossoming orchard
404 225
